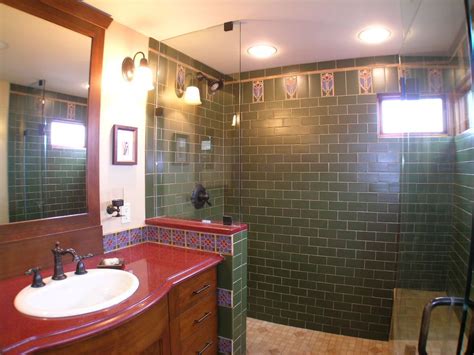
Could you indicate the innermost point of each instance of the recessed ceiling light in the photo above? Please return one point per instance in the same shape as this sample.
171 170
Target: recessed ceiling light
262 51
374 35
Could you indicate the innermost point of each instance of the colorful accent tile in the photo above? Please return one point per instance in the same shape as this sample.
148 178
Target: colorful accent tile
365 81
291 87
224 297
71 111
152 234
208 242
180 80
165 236
178 237
136 236
192 240
123 239
110 242
327 84
225 345
224 244
257 91
435 81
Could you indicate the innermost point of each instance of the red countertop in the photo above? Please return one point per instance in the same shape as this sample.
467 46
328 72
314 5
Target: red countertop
192 225
157 267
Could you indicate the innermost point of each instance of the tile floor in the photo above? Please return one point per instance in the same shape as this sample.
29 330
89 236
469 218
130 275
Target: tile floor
272 339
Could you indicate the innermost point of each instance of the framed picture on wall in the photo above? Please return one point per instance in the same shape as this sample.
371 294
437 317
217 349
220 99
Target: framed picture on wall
124 145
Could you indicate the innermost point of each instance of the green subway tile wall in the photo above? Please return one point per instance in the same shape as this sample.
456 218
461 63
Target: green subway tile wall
426 213
463 198
170 178
43 181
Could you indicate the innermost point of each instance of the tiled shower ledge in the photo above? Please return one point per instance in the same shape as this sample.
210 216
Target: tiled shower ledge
198 226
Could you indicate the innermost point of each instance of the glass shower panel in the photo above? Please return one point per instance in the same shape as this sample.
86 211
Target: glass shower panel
198 144
434 214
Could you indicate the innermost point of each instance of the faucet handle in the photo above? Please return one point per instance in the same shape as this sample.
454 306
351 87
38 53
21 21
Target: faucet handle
37 278
81 267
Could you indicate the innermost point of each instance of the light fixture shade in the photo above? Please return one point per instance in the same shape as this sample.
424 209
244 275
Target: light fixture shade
143 77
192 96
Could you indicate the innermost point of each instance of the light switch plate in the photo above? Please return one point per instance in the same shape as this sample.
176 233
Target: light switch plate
125 212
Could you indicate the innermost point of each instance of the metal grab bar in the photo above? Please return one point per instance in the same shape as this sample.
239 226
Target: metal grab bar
425 320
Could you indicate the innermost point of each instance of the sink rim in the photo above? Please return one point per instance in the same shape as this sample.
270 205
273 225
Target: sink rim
23 299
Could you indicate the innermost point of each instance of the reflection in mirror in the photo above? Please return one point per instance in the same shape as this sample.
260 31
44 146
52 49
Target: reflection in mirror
44 82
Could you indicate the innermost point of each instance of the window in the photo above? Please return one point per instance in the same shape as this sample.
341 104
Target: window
68 135
424 115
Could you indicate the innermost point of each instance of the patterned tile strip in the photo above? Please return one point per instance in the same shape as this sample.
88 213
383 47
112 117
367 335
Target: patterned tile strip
225 345
222 244
224 297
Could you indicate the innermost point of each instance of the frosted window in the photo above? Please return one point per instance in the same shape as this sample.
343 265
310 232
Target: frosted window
412 116
68 135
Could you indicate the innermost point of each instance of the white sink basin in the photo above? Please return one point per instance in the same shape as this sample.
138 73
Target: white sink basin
78 294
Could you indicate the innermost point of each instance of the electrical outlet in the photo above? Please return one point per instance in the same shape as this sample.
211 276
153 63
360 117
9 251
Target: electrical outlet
125 212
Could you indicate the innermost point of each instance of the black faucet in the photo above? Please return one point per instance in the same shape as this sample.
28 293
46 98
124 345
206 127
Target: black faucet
58 253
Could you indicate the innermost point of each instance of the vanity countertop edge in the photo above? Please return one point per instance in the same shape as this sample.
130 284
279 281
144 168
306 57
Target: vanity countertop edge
158 268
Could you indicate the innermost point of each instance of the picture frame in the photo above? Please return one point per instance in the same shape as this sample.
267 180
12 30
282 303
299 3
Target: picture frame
124 145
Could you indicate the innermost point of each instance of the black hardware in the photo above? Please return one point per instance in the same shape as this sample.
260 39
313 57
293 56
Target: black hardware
228 26
159 111
208 344
37 278
425 320
227 220
200 197
203 318
115 207
204 288
58 253
80 267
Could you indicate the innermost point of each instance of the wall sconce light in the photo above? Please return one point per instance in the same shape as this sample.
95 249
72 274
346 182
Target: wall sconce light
192 95
115 207
142 75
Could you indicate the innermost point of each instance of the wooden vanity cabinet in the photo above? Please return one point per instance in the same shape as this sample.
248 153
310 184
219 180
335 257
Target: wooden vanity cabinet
183 322
193 315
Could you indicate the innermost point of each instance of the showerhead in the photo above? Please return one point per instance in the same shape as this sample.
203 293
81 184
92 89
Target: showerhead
214 85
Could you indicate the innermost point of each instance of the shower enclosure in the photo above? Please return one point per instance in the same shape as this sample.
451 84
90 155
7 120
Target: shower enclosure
352 229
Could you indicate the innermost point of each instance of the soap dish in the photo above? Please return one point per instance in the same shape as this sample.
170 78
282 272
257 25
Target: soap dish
104 265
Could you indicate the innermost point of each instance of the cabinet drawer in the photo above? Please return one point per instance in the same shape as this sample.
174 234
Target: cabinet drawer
192 291
203 342
197 317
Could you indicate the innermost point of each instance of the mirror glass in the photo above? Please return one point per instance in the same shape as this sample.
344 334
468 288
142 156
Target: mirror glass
44 87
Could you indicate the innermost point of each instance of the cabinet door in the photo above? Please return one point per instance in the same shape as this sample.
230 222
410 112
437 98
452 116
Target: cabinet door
146 334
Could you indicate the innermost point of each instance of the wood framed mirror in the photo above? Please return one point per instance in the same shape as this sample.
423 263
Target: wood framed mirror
27 243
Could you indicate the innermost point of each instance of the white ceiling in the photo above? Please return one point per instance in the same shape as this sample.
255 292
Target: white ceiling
302 30
38 49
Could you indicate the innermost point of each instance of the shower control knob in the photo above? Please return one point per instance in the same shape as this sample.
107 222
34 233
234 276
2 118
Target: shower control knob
200 197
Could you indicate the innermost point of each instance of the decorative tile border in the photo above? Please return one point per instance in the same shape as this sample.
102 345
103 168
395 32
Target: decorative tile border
225 345
180 80
224 298
125 238
222 244
365 81
435 80
257 91
290 84
327 84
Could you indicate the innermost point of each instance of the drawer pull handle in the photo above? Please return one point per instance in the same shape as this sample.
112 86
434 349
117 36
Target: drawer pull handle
208 344
202 289
206 315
